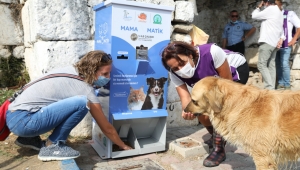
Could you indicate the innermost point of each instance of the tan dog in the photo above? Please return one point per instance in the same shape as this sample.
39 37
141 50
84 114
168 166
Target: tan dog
266 123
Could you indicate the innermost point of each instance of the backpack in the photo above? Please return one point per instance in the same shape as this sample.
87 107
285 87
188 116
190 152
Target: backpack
4 131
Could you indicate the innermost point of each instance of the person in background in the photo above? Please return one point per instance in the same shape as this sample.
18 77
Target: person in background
234 33
271 36
290 20
187 65
59 104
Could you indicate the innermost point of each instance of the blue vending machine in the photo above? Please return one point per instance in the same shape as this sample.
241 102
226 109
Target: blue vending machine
135 34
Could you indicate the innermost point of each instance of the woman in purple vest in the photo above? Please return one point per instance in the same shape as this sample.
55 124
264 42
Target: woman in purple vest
187 65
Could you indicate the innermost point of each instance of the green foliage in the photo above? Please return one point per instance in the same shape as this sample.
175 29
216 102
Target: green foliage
5 93
13 72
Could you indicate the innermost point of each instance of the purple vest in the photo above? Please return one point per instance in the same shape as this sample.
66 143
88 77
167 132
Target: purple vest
285 29
206 67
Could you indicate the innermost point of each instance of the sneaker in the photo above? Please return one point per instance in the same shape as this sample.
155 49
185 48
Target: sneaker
280 87
35 143
57 152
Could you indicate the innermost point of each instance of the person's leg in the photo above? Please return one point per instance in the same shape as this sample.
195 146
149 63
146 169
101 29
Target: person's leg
218 155
241 47
62 116
264 54
204 120
286 67
272 67
278 61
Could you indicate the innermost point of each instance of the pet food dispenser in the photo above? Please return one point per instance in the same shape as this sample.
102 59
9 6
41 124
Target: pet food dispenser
134 33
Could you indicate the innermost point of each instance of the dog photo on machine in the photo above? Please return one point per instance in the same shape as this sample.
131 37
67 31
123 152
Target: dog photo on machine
265 123
155 93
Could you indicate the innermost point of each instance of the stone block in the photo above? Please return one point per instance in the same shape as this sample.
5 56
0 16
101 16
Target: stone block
296 62
188 147
251 55
55 20
183 28
4 53
11 32
94 2
9 1
45 56
181 37
184 11
18 52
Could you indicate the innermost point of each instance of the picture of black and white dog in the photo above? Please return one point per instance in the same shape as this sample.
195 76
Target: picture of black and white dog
154 98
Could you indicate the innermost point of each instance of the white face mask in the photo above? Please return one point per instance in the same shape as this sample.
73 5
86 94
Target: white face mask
186 71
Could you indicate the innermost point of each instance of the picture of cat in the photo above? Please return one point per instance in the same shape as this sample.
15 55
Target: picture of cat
136 98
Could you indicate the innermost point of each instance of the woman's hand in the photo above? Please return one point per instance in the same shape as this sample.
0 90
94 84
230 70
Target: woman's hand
188 115
126 147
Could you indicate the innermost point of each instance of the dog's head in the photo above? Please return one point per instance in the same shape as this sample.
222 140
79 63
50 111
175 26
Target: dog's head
206 97
156 86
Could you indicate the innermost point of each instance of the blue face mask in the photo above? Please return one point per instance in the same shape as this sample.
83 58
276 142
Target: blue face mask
101 81
234 22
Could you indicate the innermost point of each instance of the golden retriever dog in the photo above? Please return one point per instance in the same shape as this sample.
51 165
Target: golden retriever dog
265 123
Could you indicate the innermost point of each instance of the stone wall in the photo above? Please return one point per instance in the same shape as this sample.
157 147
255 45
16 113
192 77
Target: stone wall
54 33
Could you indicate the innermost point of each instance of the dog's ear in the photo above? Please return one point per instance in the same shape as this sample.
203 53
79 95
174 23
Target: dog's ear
215 98
163 79
149 80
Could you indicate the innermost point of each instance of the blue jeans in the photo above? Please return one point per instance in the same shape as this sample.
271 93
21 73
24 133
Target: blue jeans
266 65
61 116
283 66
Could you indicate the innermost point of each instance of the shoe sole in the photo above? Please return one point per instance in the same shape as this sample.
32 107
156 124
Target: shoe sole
27 146
49 158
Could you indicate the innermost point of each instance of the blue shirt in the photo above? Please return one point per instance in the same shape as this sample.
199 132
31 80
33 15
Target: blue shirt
235 32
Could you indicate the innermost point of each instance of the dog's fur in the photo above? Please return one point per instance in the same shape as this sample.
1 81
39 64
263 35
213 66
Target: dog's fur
154 98
266 123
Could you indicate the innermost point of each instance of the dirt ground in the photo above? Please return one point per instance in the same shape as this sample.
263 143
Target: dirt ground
14 157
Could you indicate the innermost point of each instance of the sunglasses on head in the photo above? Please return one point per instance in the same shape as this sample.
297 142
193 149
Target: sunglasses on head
106 57
234 16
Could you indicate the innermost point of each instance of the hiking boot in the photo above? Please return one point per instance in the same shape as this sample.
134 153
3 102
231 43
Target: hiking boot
35 143
218 154
57 152
280 87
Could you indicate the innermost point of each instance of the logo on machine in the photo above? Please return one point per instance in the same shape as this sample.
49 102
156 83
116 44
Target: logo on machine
142 17
145 37
133 36
157 19
129 28
127 16
155 30
103 29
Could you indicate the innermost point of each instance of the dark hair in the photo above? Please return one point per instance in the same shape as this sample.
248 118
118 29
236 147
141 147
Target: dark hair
233 11
175 48
270 1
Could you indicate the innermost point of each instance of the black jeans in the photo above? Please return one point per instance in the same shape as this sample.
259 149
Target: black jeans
239 47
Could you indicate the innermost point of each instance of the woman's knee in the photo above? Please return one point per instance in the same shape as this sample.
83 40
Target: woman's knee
80 101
